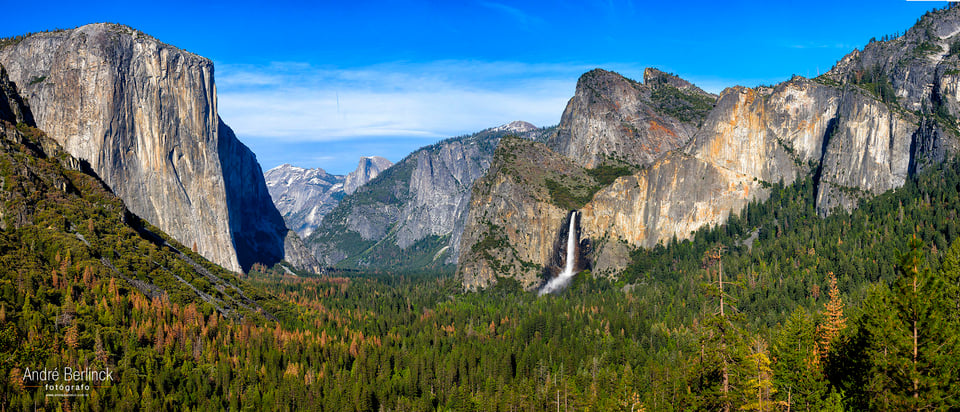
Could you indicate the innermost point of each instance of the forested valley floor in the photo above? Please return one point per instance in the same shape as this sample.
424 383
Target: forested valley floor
855 311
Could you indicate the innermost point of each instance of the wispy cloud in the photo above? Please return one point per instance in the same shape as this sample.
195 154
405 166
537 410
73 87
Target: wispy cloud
322 116
293 101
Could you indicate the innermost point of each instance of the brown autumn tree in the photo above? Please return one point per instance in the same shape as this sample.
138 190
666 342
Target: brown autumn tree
833 322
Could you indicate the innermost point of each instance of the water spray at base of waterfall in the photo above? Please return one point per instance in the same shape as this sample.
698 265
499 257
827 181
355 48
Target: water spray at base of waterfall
569 269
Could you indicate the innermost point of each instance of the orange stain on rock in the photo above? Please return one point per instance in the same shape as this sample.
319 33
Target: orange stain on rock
658 128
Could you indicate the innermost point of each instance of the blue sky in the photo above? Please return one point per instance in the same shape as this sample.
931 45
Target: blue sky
319 84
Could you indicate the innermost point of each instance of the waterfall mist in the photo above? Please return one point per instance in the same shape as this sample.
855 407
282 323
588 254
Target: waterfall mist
562 280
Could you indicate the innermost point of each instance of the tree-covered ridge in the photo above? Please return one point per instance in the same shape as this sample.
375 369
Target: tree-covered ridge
782 245
415 343
778 309
83 282
654 341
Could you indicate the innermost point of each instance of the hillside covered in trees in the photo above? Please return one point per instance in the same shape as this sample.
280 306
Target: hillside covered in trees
855 311
779 308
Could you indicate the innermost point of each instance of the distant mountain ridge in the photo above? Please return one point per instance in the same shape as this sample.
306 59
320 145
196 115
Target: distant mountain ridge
304 196
411 216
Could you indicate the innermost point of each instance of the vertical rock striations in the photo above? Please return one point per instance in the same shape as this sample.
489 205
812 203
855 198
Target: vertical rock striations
754 137
859 130
143 114
412 215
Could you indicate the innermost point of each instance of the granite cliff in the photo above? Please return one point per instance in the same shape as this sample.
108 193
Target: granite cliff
612 119
368 168
411 215
516 212
143 115
59 219
305 196
859 130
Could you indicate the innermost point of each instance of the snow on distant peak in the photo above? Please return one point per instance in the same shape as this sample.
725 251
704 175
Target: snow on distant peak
518 126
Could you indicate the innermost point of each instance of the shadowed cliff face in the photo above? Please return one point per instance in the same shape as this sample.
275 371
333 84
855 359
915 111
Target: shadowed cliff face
12 106
143 114
258 230
859 130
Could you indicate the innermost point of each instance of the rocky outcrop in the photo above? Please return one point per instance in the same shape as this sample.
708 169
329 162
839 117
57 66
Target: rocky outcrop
612 119
368 168
258 231
143 115
859 130
513 221
12 107
918 69
296 253
412 215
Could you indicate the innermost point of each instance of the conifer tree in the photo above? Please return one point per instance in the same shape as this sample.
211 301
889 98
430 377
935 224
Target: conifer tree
798 374
907 344
759 390
833 322
721 348
948 357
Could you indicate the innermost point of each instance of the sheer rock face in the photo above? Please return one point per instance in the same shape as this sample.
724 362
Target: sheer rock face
868 153
752 137
440 187
427 195
512 222
368 168
258 230
613 119
143 114
844 134
412 215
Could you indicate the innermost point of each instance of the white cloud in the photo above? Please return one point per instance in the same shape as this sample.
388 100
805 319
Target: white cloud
296 102
301 102
321 116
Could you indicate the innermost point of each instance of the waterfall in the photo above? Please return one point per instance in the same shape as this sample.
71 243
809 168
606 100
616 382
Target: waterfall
569 268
